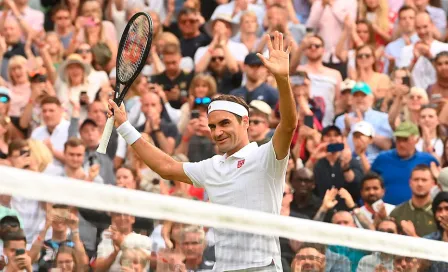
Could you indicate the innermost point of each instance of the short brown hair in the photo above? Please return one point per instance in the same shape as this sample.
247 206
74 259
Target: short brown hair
50 100
319 247
17 144
235 99
171 49
72 142
18 235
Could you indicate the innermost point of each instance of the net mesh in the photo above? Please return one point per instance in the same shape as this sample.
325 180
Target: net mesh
176 234
135 43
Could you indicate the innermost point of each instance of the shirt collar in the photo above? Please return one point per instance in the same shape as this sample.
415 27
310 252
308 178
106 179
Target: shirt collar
426 208
242 153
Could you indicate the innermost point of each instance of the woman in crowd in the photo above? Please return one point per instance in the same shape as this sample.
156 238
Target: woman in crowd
19 85
248 31
201 86
66 260
406 105
56 50
134 260
366 72
127 177
431 136
40 155
377 13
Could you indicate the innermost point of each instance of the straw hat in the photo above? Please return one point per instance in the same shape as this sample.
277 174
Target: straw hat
73 59
221 17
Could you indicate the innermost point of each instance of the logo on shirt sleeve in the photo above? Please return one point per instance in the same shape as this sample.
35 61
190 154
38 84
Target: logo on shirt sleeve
240 163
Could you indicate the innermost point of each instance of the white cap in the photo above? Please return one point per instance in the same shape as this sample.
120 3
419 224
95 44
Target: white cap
261 106
364 128
347 84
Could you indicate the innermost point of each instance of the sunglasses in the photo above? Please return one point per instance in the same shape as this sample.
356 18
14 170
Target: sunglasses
363 56
4 99
309 258
314 46
255 122
83 51
202 101
214 59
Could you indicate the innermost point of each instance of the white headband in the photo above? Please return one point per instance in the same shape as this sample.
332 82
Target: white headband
229 106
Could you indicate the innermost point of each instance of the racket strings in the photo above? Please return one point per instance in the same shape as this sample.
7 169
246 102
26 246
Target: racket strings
135 44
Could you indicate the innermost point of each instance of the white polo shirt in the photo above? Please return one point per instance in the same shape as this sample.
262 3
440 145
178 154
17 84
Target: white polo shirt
57 138
253 179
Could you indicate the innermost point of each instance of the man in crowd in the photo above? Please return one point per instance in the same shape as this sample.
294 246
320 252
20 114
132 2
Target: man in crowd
194 246
14 248
192 38
54 132
12 45
415 215
438 16
395 165
256 87
363 134
304 200
310 257
362 101
259 116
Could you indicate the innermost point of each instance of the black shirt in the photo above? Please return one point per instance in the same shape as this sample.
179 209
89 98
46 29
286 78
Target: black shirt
327 176
168 129
189 46
228 81
183 81
310 209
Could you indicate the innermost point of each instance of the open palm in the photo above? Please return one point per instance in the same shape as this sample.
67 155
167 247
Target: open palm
278 61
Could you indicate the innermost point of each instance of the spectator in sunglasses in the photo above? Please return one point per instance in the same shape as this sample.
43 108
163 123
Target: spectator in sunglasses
310 257
259 130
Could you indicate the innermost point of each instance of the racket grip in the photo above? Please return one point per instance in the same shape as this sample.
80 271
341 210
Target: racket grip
106 135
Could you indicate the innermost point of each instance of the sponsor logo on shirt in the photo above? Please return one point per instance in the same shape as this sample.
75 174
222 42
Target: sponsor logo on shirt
240 163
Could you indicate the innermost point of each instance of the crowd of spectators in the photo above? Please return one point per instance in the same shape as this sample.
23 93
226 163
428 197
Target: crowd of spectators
369 77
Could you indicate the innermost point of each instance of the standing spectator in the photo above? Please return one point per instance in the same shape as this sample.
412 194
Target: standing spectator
11 242
325 81
259 130
278 19
406 105
248 31
222 29
19 85
418 56
327 21
431 140
363 135
438 16
415 215
395 165
362 101
33 18
54 131
256 88
236 8
63 26
382 19
192 38
11 45
406 24
174 81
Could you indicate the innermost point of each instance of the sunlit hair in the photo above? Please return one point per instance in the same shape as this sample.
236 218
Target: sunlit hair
209 80
371 40
135 254
16 61
40 154
382 13
248 14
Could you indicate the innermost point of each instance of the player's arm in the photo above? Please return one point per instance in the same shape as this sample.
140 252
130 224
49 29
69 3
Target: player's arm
278 65
153 157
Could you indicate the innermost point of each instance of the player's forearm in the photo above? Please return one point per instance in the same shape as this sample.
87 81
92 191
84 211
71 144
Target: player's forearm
287 104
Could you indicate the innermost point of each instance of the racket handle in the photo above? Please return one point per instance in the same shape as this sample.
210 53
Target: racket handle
106 135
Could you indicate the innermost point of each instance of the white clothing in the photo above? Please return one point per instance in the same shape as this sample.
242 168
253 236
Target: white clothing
57 138
325 87
253 179
436 143
228 8
239 51
369 215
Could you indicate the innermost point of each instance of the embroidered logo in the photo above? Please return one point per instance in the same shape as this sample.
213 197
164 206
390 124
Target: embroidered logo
240 163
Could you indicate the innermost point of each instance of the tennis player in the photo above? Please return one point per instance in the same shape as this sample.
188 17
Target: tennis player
246 176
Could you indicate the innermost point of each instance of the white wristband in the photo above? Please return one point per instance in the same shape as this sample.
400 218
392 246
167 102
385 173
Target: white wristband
129 133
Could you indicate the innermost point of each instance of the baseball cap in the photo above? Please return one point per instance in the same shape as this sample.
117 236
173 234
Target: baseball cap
364 128
261 106
406 129
252 59
88 122
347 84
362 87
327 129
443 179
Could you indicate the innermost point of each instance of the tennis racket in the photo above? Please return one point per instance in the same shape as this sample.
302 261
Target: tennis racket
133 50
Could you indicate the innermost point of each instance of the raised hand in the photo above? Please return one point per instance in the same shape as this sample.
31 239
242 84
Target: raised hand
408 228
278 62
344 194
329 201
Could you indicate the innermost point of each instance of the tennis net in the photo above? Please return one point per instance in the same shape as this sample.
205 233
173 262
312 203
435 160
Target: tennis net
305 245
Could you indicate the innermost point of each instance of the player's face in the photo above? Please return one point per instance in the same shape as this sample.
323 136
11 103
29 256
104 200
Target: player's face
228 133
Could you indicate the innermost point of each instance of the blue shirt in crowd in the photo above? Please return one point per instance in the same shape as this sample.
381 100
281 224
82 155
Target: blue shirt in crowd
264 92
396 173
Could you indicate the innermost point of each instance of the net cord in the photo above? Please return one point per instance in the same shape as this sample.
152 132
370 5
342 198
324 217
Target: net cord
62 190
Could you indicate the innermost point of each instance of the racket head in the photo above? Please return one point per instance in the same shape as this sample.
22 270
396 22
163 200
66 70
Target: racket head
133 50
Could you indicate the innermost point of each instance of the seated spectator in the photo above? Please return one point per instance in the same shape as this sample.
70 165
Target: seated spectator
255 87
362 103
259 130
12 242
378 260
336 168
120 235
54 131
402 263
174 81
304 201
414 215
417 57
372 192
310 257
438 16
363 134
395 165
193 246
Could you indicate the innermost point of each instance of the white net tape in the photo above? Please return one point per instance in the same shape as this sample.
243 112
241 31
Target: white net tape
62 190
